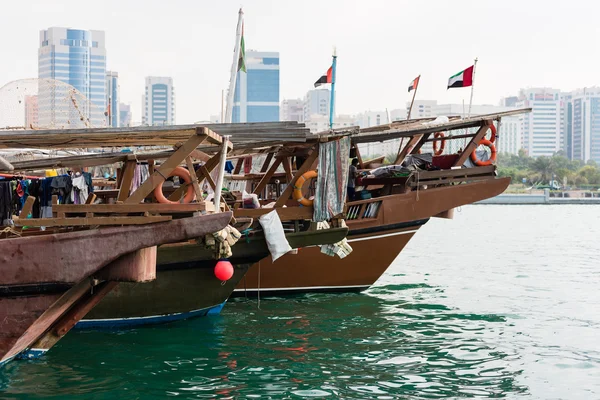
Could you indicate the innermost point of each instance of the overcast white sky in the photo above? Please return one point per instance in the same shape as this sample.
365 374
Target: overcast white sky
382 45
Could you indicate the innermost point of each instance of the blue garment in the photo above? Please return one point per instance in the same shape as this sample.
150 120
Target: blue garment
229 167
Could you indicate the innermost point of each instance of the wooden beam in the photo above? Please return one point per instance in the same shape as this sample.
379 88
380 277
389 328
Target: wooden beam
285 213
91 221
304 168
416 149
238 166
190 165
126 178
91 198
165 169
265 165
27 207
360 160
210 165
287 166
130 208
265 179
472 144
407 148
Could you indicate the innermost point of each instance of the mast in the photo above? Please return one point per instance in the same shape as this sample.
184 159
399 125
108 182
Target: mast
413 99
332 101
234 68
472 87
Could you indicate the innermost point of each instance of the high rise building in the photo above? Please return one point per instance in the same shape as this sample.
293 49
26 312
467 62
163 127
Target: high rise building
316 102
159 101
421 108
112 99
256 96
368 119
31 112
124 114
582 124
78 58
542 128
292 110
509 138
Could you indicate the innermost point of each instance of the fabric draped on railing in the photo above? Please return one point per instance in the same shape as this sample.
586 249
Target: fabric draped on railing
332 179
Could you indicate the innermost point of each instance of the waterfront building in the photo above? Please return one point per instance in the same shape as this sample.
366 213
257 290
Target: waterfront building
256 96
159 101
368 119
316 102
542 128
292 110
320 123
581 126
31 112
509 138
112 99
77 58
124 115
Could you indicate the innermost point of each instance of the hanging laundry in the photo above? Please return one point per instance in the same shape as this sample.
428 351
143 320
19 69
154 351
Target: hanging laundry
6 201
80 192
62 186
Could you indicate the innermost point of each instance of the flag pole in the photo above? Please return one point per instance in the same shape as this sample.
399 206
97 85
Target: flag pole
234 68
472 87
332 101
413 99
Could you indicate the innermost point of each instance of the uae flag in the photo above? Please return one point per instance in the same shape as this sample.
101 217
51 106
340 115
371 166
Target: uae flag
327 78
242 58
462 79
413 85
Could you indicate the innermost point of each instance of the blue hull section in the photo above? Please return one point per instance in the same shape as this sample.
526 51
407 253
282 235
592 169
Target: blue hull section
115 323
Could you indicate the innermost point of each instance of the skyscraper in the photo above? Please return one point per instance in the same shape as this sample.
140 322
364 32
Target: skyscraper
112 99
541 129
582 127
124 114
316 102
292 110
256 97
159 101
78 58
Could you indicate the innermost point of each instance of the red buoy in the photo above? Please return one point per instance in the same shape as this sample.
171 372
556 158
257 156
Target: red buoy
223 270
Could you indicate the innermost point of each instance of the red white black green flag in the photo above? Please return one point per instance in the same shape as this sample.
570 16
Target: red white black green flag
462 79
327 78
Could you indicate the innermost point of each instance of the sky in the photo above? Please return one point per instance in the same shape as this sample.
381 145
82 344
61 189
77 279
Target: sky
381 46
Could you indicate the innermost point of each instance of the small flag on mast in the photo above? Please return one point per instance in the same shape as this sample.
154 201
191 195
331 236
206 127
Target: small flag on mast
462 79
413 85
242 59
327 78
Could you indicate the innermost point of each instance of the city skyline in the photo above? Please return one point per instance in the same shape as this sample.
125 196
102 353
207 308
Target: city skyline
531 55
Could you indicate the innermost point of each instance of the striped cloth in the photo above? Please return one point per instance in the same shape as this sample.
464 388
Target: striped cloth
330 193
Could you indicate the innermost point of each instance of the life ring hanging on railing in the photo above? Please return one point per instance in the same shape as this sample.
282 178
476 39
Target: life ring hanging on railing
441 138
489 161
297 194
493 137
189 194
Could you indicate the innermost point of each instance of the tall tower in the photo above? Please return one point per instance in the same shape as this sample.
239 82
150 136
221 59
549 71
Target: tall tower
112 99
77 58
159 101
256 97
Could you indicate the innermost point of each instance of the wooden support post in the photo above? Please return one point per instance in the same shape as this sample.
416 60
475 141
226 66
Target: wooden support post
238 165
27 207
304 168
165 169
91 198
127 177
360 161
287 166
421 143
150 167
210 165
267 177
265 165
407 148
472 144
190 165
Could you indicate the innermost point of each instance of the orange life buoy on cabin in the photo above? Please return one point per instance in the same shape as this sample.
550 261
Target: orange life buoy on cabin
493 137
298 196
489 161
441 137
189 194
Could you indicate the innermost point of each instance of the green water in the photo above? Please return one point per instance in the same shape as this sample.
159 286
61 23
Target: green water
503 301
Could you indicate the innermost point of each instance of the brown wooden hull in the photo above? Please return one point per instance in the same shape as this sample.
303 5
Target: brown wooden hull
186 286
375 242
46 282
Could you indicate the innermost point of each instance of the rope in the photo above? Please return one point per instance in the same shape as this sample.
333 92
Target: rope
9 230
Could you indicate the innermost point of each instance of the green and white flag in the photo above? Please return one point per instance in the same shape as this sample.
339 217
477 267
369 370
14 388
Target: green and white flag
462 79
242 59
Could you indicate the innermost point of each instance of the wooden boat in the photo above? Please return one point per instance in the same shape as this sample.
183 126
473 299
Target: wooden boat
185 284
382 225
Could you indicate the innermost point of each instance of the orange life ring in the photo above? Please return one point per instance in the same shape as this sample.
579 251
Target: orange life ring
441 138
183 174
297 194
493 137
492 158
